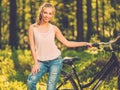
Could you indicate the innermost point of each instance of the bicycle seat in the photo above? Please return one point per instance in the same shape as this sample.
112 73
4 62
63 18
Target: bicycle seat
70 60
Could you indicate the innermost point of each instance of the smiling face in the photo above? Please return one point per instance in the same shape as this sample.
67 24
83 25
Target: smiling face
47 14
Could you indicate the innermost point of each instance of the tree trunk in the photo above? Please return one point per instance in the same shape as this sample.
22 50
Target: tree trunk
13 40
79 15
32 12
0 24
23 14
114 17
97 18
103 32
89 20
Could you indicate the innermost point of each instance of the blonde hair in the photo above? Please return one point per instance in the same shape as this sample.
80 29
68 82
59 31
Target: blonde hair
41 8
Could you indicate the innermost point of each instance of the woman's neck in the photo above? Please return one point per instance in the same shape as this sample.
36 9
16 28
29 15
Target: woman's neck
44 23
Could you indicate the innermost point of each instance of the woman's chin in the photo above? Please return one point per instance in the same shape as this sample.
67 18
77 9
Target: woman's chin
46 21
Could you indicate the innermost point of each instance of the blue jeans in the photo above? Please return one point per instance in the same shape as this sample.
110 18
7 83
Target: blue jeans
53 67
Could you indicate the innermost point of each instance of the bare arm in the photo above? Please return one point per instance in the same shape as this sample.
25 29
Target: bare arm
67 43
32 47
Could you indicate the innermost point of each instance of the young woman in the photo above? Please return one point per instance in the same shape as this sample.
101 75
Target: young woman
46 55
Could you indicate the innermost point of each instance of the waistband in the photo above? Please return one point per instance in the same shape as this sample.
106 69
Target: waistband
51 60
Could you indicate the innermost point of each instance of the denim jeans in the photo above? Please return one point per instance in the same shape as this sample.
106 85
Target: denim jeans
53 67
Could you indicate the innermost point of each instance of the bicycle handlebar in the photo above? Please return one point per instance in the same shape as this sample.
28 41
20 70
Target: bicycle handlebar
113 44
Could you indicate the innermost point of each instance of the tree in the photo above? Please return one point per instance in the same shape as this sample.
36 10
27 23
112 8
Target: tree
79 15
103 13
13 40
23 14
32 12
89 21
0 22
97 18
114 16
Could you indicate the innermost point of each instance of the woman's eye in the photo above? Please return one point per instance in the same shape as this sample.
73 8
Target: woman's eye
50 13
45 12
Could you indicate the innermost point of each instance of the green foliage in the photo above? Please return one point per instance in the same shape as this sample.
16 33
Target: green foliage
65 19
15 67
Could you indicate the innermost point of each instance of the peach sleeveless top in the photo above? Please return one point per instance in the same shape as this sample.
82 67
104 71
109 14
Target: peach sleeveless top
45 46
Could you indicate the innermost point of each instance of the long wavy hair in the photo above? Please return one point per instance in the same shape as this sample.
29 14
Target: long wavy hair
41 9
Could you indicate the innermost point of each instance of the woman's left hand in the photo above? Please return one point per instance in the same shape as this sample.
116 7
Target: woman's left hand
35 69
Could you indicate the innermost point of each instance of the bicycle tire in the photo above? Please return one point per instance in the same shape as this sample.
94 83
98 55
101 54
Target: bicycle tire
66 83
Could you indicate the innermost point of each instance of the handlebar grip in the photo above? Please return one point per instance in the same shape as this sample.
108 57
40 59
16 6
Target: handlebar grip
95 45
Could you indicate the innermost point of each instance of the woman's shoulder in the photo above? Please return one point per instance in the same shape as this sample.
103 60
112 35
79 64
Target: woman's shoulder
33 25
55 28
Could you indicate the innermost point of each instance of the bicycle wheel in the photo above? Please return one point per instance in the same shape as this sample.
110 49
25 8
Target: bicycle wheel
66 83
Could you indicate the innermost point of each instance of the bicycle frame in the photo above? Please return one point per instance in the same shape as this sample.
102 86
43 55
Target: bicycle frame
100 76
111 64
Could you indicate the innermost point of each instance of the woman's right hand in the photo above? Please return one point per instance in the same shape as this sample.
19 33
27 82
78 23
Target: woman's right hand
89 45
35 69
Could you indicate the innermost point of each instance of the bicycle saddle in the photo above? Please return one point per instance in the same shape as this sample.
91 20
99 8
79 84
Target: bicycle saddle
70 60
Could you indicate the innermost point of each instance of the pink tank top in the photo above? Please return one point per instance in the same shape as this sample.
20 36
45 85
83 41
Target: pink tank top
45 46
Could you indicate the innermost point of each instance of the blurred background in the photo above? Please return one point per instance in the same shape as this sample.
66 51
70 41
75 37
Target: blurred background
79 20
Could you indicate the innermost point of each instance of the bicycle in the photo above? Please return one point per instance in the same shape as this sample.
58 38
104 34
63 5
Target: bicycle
69 78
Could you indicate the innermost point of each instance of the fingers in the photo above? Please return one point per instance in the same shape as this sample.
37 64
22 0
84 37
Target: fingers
35 69
89 45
